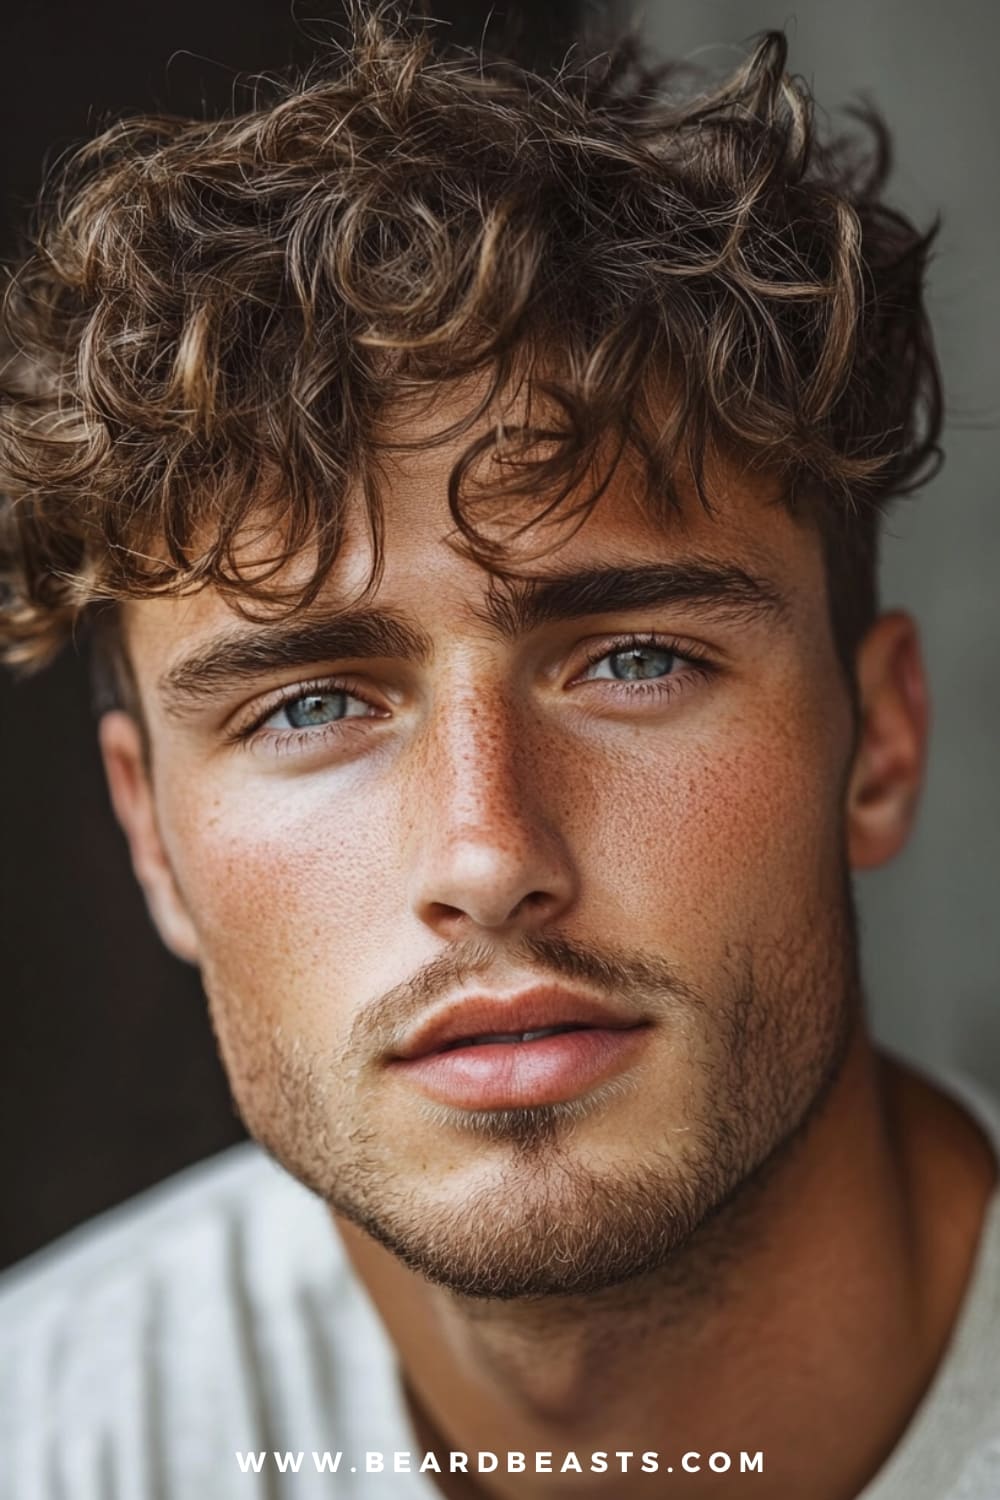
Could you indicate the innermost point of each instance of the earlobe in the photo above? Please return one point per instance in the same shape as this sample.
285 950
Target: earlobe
888 767
131 793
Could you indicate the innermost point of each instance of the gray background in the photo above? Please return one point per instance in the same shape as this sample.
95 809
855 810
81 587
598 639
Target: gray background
930 920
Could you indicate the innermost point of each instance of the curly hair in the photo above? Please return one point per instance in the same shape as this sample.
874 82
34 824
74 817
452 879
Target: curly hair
216 317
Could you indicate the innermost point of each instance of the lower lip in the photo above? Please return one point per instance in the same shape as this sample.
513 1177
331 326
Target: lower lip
498 1075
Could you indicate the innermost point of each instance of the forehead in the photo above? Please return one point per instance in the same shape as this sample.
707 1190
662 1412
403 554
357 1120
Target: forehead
422 571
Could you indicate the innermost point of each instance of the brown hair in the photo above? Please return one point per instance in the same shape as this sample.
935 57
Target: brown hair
677 267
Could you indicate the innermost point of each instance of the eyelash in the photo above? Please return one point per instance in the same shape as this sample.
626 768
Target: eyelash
698 664
283 740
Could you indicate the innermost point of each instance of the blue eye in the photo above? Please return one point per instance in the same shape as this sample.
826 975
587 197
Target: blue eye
636 663
314 709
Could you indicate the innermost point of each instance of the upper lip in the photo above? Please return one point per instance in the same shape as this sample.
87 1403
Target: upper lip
531 1010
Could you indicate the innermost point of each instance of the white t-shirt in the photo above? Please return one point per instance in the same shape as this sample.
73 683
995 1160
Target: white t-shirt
209 1340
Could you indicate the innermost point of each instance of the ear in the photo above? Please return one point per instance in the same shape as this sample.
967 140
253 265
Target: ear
132 799
888 768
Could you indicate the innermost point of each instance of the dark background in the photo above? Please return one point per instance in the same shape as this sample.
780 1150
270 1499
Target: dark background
109 1078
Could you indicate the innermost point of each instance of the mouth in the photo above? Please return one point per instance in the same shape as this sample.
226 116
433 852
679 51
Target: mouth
542 1047
498 1038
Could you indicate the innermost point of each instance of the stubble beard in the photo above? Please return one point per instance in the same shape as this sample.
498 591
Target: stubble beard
548 1224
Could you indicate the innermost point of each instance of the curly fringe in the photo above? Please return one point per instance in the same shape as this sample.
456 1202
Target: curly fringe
207 303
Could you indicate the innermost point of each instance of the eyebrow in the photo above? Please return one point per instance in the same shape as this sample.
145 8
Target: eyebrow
721 589
232 658
513 607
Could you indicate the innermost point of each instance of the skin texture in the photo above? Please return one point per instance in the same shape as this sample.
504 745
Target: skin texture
505 812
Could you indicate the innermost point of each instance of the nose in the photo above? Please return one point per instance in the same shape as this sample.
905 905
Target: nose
486 851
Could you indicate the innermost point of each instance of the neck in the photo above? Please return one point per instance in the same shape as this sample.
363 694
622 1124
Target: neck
818 1302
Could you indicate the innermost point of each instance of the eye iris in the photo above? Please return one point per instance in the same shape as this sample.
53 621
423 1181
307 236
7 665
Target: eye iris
641 661
315 708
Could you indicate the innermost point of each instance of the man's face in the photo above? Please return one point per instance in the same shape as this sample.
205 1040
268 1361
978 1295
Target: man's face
492 803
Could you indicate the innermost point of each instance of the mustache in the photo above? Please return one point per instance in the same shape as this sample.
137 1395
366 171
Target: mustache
532 958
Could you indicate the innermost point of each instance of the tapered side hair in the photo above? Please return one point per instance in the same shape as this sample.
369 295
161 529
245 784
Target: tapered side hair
216 320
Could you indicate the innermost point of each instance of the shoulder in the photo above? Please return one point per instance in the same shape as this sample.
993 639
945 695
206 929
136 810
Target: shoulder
951 1449
161 1317
195 1224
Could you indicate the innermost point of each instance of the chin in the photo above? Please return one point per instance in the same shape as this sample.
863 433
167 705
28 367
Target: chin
540 1218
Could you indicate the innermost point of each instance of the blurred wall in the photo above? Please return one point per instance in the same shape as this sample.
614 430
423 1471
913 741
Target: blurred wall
931 921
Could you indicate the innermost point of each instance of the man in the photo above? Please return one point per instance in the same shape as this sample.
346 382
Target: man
471 483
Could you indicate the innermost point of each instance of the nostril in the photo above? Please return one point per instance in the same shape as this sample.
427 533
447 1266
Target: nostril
531 900
438 911
486 912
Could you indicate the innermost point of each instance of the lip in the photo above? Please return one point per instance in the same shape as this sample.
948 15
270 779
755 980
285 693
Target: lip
531 1010
497 1075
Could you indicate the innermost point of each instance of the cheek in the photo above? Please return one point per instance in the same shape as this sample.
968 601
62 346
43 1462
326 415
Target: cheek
713 837
284 886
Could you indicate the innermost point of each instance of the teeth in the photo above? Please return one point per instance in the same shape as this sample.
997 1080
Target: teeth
509 1036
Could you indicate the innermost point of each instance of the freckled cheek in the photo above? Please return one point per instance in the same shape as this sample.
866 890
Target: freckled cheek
714 842
285 883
